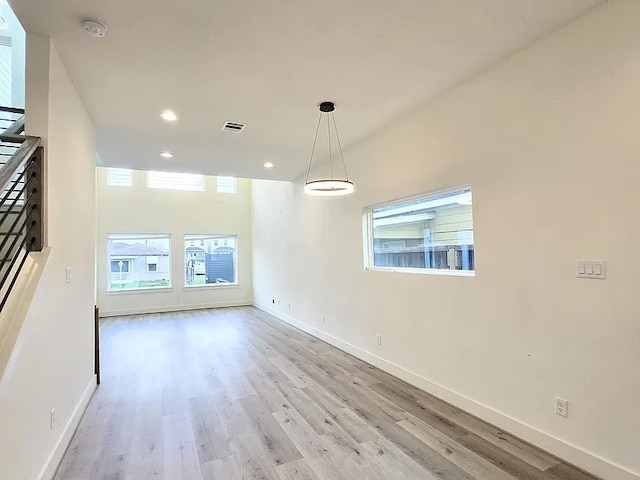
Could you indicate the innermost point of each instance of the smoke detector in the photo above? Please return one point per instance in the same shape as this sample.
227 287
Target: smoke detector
95 29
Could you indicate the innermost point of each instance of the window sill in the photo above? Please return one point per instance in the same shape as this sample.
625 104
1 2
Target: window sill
208 286
140 290
425 271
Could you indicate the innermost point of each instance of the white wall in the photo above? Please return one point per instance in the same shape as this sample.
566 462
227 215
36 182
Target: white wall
549 142
138 209
52 363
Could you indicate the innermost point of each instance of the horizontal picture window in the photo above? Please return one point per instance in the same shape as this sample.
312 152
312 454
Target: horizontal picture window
430 232
139 261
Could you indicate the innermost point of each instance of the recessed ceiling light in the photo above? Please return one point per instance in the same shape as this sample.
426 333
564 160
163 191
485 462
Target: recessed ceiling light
169 116
268 165
166 155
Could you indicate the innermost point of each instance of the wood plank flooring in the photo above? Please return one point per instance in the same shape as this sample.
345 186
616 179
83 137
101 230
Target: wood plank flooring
234 394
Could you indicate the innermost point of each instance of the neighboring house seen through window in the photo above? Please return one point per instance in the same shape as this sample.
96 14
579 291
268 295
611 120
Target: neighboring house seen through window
139 261
428 232
207 263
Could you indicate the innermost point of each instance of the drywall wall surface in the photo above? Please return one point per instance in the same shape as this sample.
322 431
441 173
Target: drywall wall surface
548 140
141 210
51 366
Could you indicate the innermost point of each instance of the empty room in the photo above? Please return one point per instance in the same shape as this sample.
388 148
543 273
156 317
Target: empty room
296 240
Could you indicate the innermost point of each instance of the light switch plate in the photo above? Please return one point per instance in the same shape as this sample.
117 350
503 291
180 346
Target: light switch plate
595 269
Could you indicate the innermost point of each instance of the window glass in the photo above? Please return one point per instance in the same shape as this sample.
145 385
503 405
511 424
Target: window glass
429 232
226 184
175 181
119 177
207 263
139 261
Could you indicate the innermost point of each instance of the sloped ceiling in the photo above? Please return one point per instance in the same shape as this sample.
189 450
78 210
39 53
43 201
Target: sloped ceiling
268 63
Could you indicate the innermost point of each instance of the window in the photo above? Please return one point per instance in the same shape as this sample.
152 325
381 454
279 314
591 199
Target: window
120 266
6 70
426 233
139 261
119 177
208 263
226 184
176 181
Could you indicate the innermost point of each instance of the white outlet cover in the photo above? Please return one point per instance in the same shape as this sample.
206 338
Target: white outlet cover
562 407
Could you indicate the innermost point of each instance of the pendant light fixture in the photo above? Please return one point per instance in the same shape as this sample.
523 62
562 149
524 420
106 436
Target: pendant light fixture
329 187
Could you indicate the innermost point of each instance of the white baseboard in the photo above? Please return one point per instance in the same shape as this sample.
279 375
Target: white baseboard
52 463
173 308
570 453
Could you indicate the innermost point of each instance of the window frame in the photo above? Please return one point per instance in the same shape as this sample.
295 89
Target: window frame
124 291
368 237
212 236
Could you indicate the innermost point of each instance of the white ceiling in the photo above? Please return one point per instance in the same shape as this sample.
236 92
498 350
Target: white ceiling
268 63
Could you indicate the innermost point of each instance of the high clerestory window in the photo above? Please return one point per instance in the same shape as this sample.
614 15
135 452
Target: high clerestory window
119 177
226 184
176 181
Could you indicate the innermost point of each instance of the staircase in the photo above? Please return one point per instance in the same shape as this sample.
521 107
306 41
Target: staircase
21 198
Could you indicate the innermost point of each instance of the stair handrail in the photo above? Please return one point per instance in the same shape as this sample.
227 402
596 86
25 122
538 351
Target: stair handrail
23 153
21 188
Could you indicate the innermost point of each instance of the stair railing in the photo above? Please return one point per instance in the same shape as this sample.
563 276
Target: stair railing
21 198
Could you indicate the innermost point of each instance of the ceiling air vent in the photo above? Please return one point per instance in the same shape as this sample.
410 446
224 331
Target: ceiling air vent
233 126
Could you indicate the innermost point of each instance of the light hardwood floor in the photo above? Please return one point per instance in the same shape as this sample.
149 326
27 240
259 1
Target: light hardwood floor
236 394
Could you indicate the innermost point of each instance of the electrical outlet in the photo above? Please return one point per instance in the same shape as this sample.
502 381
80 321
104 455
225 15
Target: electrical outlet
322 318
562 407
68 274
52 418
273 300
379 338
289 306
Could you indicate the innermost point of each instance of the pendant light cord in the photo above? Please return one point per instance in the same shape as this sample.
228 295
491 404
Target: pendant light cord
344 164
313 149
330 153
